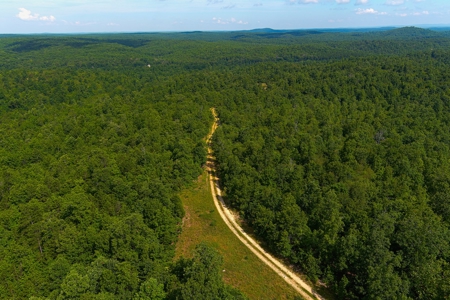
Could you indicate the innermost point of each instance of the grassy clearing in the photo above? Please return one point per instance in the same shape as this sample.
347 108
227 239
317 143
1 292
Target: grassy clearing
243 269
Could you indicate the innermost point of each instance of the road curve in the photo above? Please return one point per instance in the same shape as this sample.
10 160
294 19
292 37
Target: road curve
289 276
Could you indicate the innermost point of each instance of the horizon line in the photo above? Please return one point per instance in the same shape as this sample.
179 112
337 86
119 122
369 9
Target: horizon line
423 26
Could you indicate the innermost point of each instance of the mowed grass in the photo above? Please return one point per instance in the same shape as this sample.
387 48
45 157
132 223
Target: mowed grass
243 270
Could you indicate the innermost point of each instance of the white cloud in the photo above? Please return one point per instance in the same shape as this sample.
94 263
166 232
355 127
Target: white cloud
361 2
230 21
419 13
342 1
78 23
26 15
371 11
361 11
394 2
45 18
425 12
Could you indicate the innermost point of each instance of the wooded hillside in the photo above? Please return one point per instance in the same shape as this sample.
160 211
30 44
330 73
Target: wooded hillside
334 148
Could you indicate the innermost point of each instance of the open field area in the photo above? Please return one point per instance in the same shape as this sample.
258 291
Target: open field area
243 269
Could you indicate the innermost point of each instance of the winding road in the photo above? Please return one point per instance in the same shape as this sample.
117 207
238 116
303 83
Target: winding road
288 275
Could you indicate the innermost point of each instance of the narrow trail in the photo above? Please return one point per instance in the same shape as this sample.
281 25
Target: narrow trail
288 275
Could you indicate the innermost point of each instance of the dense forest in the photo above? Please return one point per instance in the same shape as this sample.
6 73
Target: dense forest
334 148
91 164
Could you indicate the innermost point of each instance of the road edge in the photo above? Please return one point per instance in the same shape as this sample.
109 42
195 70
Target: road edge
278 267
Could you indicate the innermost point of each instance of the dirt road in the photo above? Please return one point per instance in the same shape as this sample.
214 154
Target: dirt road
288 275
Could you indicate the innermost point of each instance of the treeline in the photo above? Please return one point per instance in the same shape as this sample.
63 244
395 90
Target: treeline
175 53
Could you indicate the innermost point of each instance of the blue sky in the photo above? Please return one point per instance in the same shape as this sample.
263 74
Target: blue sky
57 16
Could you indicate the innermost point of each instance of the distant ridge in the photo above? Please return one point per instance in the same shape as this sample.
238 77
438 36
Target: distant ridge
267 30
411 32
319 30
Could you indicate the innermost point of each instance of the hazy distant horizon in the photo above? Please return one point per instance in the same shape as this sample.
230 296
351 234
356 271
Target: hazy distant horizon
99 16
338 29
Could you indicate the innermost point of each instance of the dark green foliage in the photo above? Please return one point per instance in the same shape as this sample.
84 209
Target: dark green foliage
340 167
150 290
201 277
38 44
91 163
333 146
